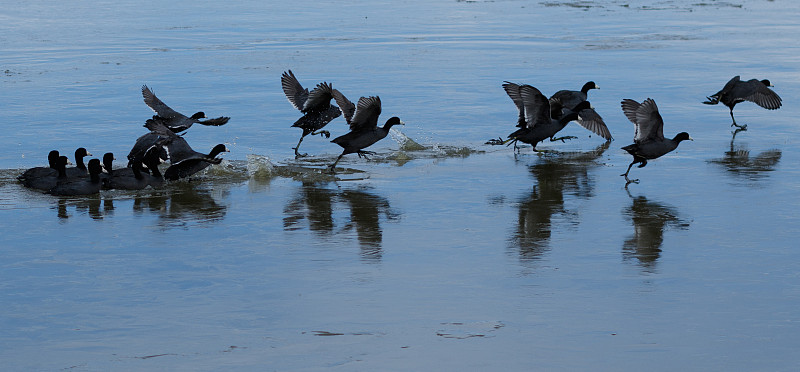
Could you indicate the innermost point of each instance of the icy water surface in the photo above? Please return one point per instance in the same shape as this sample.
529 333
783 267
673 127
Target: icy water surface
439 253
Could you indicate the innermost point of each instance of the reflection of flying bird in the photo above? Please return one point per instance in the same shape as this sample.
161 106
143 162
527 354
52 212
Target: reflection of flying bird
648 141
174 120
736 90
587 118
363 121
540 118
557 179
739 162
649 221
315 106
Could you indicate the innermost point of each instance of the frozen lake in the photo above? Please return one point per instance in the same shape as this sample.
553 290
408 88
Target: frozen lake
450 256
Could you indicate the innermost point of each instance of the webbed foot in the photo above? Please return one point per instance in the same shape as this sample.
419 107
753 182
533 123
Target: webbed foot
562 139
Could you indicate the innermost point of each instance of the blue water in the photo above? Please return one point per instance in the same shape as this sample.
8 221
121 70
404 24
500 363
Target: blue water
451 256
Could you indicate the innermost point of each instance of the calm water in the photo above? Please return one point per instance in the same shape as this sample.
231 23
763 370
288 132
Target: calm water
450 256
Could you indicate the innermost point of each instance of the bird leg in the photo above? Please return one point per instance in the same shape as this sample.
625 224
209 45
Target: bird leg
552 139
740 127
629 181
297 154
332 167
322 132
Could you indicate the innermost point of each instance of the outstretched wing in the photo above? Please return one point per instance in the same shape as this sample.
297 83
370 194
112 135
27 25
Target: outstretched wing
319 98
295 93
536 105
760 94
645 117
156 105
222 120
591 120
513 92
367 112
347 107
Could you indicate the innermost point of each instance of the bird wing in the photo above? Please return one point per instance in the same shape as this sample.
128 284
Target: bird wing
591 120
347 107
646 119
761 95
367 112
512 90
222 120
159 107
295 93
319 97
537 107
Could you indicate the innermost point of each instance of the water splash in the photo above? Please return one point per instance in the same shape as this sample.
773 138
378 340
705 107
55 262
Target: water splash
406 143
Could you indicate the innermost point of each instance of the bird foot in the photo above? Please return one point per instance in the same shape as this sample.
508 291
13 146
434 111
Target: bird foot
332 168
494 142
562 139
323 133
363 154
629 181
739 127
298 155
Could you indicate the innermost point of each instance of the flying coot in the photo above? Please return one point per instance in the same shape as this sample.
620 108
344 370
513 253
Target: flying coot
363 121
174 120
736 90
315 106
648 141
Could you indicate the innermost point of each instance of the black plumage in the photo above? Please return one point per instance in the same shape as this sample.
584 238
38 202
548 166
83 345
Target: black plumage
587 118
648 141
129 178
32 175
538 118
79 170
46 180
315 106
184 161
753 90
80 185
174 120
363 121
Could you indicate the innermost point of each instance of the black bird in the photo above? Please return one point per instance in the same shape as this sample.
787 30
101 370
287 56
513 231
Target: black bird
538 120
36 173
132 178
47 180
648 141
184 161
363 121
315 106
81 185
174 120
79 170
587 118
756 91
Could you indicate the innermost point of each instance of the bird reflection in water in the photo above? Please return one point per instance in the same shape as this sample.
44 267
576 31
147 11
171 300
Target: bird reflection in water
93 206
558 177
738 162
319 205
649 220
180 204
